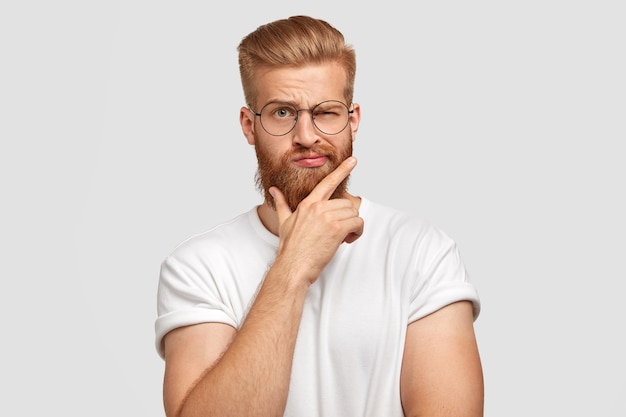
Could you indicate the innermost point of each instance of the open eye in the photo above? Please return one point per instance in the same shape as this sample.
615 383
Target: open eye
280 111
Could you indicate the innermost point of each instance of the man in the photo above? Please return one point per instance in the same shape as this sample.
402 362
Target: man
317 302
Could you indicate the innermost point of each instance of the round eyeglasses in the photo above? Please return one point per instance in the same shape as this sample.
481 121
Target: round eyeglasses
330 117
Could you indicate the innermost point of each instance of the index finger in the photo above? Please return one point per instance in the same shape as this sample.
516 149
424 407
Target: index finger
327 186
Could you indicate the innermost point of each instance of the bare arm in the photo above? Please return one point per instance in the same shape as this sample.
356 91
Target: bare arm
213 370
246 372
441 370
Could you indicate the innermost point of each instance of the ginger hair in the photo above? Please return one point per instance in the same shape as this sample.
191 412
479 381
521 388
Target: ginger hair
294 42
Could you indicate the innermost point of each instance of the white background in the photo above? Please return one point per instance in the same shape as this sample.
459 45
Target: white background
501 122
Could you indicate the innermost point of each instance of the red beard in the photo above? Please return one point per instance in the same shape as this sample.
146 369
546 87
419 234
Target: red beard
294 182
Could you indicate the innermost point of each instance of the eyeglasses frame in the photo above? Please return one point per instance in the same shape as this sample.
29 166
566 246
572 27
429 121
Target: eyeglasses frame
298 116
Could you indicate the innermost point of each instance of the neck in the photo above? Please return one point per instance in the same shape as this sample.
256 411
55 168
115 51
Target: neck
269 217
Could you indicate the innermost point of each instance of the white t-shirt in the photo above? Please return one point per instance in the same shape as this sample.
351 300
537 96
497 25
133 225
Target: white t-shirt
350 343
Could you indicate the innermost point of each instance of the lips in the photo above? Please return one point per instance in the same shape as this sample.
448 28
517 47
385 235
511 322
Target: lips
310 160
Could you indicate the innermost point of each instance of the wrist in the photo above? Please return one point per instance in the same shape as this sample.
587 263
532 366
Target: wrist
294 275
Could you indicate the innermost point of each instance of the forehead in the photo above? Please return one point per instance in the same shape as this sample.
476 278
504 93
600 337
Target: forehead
303 85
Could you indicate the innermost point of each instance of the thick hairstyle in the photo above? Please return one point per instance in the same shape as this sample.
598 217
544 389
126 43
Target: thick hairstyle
293 42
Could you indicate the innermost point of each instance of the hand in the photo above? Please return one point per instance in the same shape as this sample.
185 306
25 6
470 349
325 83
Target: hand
310 236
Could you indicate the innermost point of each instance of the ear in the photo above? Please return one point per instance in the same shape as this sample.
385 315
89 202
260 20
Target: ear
246 120
355 119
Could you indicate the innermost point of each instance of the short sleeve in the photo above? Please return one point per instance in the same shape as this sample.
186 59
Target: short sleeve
186 296
440 277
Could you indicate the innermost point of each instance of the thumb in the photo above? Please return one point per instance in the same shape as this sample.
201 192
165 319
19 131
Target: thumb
282 208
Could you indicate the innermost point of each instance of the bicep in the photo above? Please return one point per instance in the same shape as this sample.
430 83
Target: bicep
189 352
441 369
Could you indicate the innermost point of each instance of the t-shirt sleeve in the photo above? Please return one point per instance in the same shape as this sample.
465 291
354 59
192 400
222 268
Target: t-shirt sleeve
187 295
440 277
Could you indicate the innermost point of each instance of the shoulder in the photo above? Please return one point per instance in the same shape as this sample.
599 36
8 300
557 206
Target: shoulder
223 237
396 224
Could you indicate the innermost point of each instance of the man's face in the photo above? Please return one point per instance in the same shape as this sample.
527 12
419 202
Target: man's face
299 160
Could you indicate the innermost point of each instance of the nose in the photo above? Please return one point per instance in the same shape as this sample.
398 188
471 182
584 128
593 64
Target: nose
305 132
